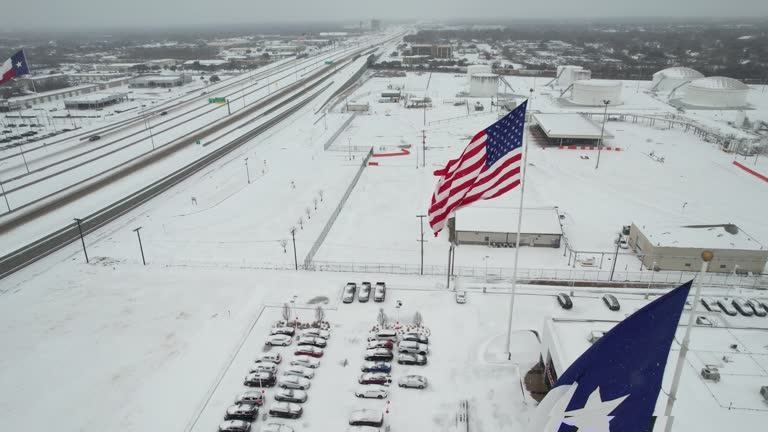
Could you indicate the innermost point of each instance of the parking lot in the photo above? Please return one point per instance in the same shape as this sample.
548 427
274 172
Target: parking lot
457 371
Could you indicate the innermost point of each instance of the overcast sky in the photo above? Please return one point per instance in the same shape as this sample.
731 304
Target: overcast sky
73 14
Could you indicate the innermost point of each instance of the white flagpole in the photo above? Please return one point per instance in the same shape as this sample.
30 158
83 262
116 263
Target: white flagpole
517 240
34 89
706 257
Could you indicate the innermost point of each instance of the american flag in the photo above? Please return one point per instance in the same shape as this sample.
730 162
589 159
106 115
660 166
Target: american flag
488 168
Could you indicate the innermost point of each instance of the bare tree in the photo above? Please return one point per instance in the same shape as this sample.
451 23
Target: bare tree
287 312
308 212
321 194
300 222
382 318
417 319
314 201
319 313
284 244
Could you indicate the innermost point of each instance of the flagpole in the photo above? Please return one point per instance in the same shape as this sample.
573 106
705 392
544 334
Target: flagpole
706 257
34 89
508 349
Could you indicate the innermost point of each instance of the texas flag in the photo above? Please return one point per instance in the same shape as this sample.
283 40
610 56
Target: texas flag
13 67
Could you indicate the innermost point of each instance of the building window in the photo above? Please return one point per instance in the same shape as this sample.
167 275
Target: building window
687 264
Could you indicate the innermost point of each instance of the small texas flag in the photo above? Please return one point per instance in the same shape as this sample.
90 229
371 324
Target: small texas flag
13 67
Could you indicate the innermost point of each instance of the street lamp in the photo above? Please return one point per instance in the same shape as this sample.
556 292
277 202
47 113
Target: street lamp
602 132
485 258
247 171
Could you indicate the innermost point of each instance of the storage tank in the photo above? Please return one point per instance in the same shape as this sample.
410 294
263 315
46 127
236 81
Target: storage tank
594 92
477 69
566 75
671 78
483 85
716 92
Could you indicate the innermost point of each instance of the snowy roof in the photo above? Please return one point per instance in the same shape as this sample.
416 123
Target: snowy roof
680 73
95 98
568 125
726 236
719 83
598 83
504 219
157 78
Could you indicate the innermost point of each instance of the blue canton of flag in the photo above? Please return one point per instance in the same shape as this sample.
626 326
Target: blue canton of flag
505 135
20 63
614 385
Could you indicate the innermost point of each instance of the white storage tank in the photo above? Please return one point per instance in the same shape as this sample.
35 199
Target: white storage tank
716 92
566 75
477 69
671 78
484 85
594 92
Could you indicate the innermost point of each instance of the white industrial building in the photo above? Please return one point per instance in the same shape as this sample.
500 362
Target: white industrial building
672 78
497 226
716 92
594 92
567 75
94 100
484 85
477 69
165 81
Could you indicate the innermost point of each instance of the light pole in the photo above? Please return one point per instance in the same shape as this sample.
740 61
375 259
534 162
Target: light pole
706 257
602 132
247 171
295 258
141 248
421 217
485 258
80 229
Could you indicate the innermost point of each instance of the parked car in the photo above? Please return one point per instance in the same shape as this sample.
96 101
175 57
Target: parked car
309 350
291 395
412 359
380 292
414 337
246 412
371 392
235 426
741 306
757 308
293 382
385 334
260 379
611 301
704 321
163 113
378 354
250 397
290 331
279 340
316 332
269 357
725 307
299 371
276 427
312 340
709 305
362 429
264 367
412 381
306 361
412 348
381 344
623 243
375 378
461 297
366 417
349 292
565 301
285 410
94 138
365 292
374 366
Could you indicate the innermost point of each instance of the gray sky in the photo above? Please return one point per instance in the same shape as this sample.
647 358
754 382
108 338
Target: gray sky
73 14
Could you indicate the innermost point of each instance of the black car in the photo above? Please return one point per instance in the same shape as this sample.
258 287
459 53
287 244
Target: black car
611 301
285 410
742 307
94 138
708 305
235 426
380 292
379 354
365 292
757 308
260 379
242 412
414 337
565 301
726 307
164 113
349 292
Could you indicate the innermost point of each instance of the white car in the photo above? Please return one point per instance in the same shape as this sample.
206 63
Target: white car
306 361
412 381
264 367
276 427
279 340
409 347
269 357
371 392
290 331
316 332
461 297
386 334
293 382
300 371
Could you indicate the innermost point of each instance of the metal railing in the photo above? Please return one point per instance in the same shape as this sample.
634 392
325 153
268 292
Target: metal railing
338 132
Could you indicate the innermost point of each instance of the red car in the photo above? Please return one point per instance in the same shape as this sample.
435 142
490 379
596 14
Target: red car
375 378
381 344
309 350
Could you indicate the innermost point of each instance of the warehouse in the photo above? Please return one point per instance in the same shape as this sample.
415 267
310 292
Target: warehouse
565 129
162 81
94 100
664 247
497 226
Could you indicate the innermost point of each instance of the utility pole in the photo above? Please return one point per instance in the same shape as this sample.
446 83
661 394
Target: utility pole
706 257
295 258
423 148
80 229
421 217
141 248
615 256
229 110
247 171
602 132
450 269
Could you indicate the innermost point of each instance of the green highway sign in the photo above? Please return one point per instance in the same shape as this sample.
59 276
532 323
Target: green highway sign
329 62
218 100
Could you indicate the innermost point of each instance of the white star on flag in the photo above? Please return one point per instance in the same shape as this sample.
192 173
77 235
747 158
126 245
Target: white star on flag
594 417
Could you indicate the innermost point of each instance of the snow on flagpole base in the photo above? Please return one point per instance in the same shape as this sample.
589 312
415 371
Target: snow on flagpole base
524 346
